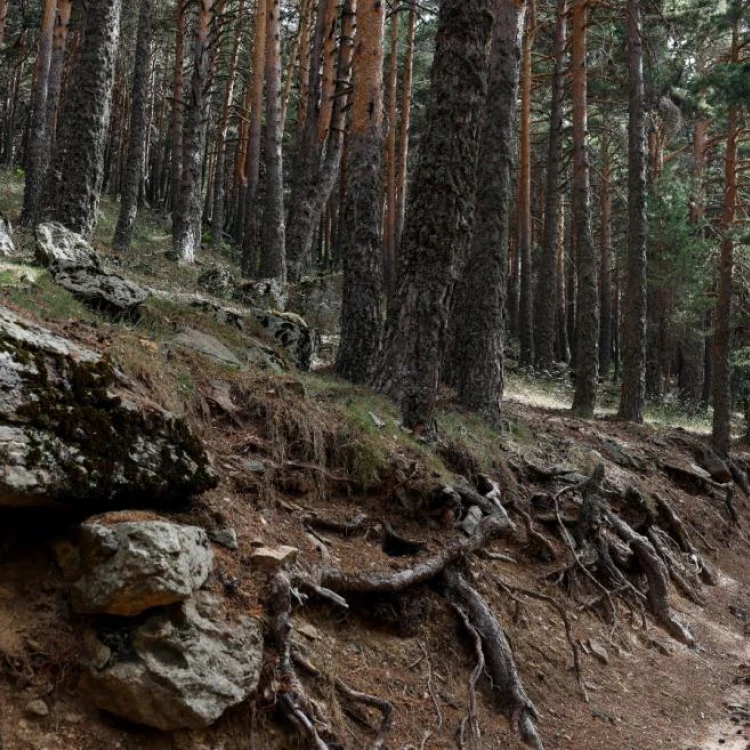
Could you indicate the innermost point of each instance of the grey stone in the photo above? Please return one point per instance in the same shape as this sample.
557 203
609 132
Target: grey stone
100 289
599 651
472 519
6 238
269 558
208 345
265 293
37 708
177 669
73 432
217 281
127 567
58 249
226 537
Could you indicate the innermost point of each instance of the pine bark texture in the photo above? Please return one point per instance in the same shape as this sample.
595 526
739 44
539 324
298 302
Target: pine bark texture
587 319
544 303
361 317
633 394
440 213
478 348
135 163
54 87
273 256
178 105
389 235
35 160
605 260
3 19
74 183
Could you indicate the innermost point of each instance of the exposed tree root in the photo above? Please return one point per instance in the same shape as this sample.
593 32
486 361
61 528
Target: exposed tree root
500 666
471 719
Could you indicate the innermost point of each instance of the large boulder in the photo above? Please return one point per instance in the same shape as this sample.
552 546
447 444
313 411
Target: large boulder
217 281
175 669
75 266
74 432
208 345
6 238
122 567
269 294
318 300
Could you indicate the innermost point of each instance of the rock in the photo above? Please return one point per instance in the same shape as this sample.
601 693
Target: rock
6 238
58 249
266 557
217 281
127 567
472 519
266 293
318 300
309 631
177 669
37 708
99 289
256 467
599 651
713 464
73 432
376 420
208 345
289 332
226 537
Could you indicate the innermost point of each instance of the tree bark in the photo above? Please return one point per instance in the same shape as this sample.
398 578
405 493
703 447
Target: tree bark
35 159
273 256
361 319
440 212
57 65
478 332
178 106
134 166
587 320
3 19
605 260
561 322
389 235
545 310
74 182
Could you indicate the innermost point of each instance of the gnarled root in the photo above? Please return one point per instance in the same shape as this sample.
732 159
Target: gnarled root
498 657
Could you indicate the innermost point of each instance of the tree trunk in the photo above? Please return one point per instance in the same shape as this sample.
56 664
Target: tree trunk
605 261
722 400
587 321
633 394
3 19
273 258
303 75
479 334
441 211
178 106
544 307
389 235
525 237
406 101
35 159
561 323
219 193
134 167
71 194
361 319
57 65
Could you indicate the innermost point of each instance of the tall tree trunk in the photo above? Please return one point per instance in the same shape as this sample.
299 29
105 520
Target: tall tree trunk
361 319
3 19
525 236
389 235
561 323
178 106
587 321
71 193
634 331
134 166
544 302
605 261
479 335
186 232
250 239
273 256
35 160
722 398
219 192
441 211
303 75
57 65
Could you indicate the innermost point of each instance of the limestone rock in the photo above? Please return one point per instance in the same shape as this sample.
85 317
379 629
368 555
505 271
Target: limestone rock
100 289
176 669
266 293
472 519
267 557
217 281
208 345
6 238
125 568
226 536
58 249
73 432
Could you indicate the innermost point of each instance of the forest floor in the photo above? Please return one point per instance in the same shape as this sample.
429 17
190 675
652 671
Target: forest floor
290 445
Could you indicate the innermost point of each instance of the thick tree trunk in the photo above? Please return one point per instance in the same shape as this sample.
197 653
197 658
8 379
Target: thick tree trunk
71 194
186 232
35 158
303 74
633 394
3 19
57 65
587 319
178 106
439 223
273 256
605 261
545 299
478 329
134 166
561 323
361 319
389 235
523 206
722 399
